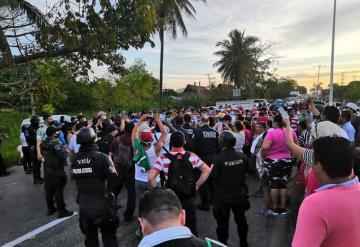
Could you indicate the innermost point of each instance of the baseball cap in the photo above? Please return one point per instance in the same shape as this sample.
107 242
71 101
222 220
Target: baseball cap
352 106
146 136
51 130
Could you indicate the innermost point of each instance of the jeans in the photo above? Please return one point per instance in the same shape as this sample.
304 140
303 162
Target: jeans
126 176
140 188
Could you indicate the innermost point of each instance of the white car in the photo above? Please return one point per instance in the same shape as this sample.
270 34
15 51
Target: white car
54 117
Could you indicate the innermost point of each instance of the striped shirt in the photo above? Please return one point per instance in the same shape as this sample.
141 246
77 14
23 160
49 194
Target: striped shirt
162 163
294 121
304 138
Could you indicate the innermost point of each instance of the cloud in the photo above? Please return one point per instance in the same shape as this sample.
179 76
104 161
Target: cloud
301 31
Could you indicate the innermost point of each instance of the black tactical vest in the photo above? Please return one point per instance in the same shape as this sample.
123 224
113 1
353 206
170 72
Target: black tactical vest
88 173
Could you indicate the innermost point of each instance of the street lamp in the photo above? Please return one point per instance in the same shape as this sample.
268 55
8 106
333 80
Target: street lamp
331 91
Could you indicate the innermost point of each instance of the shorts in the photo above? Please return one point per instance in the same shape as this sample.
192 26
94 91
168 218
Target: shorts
277 172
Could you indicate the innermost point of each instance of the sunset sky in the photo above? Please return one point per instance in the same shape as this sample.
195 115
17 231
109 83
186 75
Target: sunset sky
299 30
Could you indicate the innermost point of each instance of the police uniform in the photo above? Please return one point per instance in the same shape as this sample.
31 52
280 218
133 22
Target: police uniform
230 193
30 136
91 169
206 145
55 157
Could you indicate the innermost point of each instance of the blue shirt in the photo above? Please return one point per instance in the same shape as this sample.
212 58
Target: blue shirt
350 131
351 182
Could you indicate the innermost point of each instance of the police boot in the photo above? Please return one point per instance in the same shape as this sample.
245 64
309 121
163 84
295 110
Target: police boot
51 211
64 213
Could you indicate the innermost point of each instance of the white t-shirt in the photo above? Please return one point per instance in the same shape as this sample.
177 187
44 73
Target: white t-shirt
142 176
23 140
240 141
166 143
73 146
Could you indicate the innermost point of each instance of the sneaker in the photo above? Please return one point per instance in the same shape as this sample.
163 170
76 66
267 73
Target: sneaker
64 213
203 207
51 211
283 213
272 212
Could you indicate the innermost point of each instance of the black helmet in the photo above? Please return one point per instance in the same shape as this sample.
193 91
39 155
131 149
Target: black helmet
227 139
86 136
34 119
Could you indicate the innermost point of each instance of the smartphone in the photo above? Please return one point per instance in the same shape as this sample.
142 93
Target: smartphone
283 113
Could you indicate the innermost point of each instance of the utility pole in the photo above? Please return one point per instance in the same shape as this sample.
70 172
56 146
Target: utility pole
331 91
318 77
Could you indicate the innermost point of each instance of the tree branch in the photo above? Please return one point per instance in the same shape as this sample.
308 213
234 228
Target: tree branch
20 35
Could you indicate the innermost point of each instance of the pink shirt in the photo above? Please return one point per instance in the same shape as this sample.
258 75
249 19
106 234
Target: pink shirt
329 218
278 148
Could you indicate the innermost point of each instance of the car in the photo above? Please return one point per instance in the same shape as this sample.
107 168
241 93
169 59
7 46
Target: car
54 117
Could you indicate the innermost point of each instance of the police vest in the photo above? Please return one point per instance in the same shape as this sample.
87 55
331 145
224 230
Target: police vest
52 162
87 171
231 170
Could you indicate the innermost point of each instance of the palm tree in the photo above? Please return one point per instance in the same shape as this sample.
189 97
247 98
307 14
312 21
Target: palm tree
13 9
169 18
239 58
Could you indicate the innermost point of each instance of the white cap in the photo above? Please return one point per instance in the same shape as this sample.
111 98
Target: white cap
352 106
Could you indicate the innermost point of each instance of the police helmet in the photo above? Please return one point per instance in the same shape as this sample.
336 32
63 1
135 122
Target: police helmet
34 119
227 139
86 136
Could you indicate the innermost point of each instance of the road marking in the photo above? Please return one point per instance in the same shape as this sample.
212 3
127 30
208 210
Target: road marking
36 231
10 184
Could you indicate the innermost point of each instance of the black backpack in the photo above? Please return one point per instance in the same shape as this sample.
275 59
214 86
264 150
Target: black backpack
181 175
123 156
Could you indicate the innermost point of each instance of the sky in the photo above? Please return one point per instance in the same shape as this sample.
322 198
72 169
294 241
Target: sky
300 32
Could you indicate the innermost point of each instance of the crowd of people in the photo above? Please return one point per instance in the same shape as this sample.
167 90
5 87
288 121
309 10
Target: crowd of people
164 159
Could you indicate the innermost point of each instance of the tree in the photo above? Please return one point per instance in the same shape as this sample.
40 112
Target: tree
241 61
137 90
82 32
353 91
169 18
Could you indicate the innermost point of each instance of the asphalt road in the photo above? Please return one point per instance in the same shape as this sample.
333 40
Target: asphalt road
23 209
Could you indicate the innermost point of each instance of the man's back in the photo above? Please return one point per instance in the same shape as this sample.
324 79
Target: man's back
330 218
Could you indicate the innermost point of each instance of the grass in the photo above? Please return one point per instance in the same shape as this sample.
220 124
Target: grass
10 124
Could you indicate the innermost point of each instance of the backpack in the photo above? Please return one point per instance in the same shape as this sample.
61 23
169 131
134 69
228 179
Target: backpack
181 175
104 144
123 155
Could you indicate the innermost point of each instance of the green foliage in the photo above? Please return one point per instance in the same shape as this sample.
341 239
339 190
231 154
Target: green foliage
10 124
90 30
352 91
137 90
52 78
48 109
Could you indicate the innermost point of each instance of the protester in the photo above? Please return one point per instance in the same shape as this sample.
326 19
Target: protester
162 221
26 159
278 164
330 217
240 135
345 118
178 161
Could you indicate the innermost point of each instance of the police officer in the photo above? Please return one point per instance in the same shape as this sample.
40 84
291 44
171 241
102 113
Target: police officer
97 207
30 136
55 156
206 146
230 190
